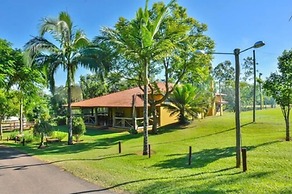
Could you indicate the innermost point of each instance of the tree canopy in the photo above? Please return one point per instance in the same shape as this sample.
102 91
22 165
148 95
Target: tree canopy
279 86
8 60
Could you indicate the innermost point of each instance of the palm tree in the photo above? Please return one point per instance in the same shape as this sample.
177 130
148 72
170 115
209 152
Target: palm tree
186 101
72 49
135 40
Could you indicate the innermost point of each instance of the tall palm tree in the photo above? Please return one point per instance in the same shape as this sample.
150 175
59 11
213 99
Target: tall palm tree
69 50
135 40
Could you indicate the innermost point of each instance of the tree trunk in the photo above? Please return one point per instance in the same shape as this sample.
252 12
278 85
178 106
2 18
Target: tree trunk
134 112
154 115
145 110
287 125
1 130
21 116
220 96
42 141
69 109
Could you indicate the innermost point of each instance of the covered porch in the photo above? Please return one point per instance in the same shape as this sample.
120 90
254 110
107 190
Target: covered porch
115 117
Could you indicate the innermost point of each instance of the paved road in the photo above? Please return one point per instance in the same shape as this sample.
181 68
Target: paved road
21 173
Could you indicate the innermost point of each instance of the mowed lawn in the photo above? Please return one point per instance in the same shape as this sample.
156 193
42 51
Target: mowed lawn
97 160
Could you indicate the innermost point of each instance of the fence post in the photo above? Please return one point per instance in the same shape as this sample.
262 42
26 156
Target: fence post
23 141
190 155
149 151
244 163
120 147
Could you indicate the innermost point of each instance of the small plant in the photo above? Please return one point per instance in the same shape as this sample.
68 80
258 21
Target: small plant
78 127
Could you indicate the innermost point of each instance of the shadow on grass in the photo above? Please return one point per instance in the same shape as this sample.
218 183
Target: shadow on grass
192 184
170 129
25 166
202 158
104 140
170 184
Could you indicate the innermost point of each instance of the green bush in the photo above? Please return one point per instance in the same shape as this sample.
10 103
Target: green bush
61 120
13 135
78 127
28 137
58 135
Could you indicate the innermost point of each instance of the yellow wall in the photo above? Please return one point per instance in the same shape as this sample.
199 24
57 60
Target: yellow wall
165 118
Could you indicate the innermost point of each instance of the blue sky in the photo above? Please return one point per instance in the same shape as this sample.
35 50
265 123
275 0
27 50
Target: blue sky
231 23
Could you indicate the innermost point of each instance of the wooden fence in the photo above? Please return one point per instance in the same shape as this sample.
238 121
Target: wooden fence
14 125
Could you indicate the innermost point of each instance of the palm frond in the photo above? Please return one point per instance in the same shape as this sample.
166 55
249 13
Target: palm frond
80 40
38 45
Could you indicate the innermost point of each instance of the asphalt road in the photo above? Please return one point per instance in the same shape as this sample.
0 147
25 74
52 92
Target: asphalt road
21 173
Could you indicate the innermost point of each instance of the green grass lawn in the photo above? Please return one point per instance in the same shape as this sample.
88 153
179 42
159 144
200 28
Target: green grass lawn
97 160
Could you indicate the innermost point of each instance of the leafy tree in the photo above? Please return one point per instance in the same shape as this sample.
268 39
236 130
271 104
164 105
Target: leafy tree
171 53
247 67
73 50
27 80
224 75
76 93
37 107
187 101
279 86
8 106
57 100
7 61
246 95
182 36
92 86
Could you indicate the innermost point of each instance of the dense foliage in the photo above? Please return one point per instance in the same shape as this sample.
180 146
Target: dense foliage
279 86
8 61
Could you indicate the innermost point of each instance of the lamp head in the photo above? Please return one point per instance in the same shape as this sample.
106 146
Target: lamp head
258 44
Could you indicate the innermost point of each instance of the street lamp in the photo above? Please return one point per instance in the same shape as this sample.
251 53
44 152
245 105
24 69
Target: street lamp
236 53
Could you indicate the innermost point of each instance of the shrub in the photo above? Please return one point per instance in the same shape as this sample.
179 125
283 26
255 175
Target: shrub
28 137
78 127
13 135
58 135
42 128
61 120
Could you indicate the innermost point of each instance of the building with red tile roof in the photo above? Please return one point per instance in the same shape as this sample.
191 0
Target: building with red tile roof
123 109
